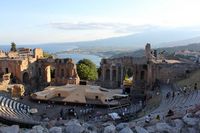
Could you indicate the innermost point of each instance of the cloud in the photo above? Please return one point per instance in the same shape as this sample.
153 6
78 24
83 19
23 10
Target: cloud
114 27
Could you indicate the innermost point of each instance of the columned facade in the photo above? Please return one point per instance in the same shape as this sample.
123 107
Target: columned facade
57 71
114 71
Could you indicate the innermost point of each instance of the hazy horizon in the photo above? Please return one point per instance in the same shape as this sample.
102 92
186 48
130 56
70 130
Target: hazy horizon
39 22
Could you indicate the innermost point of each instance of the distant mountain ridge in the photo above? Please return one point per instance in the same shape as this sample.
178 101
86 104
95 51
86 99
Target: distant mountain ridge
169 50
193 47
158 37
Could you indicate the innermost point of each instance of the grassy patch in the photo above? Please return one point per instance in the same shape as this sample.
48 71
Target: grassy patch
191 80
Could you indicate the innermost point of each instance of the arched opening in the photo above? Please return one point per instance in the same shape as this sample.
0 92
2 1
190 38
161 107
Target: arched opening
114 75
107 74
39 71
187 71
119 77
62 73
129 72
53 72
13 79
25 78
142 75
7 71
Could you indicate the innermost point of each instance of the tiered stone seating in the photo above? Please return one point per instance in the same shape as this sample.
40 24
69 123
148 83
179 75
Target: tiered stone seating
180 103
14 111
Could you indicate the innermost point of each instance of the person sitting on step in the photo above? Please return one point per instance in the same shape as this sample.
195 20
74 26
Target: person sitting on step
170 113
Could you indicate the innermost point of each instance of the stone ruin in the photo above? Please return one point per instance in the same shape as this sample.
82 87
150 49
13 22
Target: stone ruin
145 71
29 67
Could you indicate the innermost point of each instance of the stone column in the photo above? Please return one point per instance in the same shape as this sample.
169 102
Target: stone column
122 74
111 73
48 74
149 75
117 73
103 73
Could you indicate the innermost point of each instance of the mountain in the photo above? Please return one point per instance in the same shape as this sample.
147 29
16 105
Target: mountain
193 47
183 42
158 37
169 50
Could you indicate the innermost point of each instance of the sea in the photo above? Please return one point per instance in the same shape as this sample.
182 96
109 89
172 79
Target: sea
59 48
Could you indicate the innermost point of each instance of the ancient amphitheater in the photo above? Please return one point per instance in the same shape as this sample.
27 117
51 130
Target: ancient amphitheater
15 112
180 104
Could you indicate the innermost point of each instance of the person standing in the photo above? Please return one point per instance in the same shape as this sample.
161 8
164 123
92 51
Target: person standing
173 94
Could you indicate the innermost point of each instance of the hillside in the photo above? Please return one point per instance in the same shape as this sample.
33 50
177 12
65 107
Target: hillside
194 47
191 80
169 50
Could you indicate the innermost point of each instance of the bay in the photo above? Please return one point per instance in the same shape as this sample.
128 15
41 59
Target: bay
59 48
77 57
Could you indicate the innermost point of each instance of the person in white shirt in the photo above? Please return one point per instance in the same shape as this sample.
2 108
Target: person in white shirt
148 118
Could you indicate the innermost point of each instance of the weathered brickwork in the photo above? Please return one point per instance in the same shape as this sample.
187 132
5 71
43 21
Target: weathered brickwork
30 67
145 70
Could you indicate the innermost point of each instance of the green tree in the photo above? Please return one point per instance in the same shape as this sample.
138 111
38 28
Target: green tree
129 72
126 77
47 55
13 47
87 70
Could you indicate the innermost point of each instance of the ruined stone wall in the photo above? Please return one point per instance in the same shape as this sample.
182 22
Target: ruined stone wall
11 66
4 82
2 54
174 72
38 53
113 71
57 71
18 67
13 55
35 70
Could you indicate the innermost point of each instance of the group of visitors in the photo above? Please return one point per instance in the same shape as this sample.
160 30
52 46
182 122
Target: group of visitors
148 118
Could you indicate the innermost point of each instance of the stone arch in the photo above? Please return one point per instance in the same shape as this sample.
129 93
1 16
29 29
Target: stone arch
129 71
62 73
71 70
39 71
142 75
25 78
53 72
114 74
107 74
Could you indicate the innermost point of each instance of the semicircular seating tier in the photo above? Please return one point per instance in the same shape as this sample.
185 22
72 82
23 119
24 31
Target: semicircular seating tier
12 111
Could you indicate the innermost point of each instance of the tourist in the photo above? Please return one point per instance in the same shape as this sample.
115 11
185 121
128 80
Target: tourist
168 95
125 109
170 113
195 86
178 93
173 94
123 113
61 112
158 117
184 89
148 118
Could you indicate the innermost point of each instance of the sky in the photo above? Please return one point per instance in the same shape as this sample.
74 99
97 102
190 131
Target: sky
44 21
